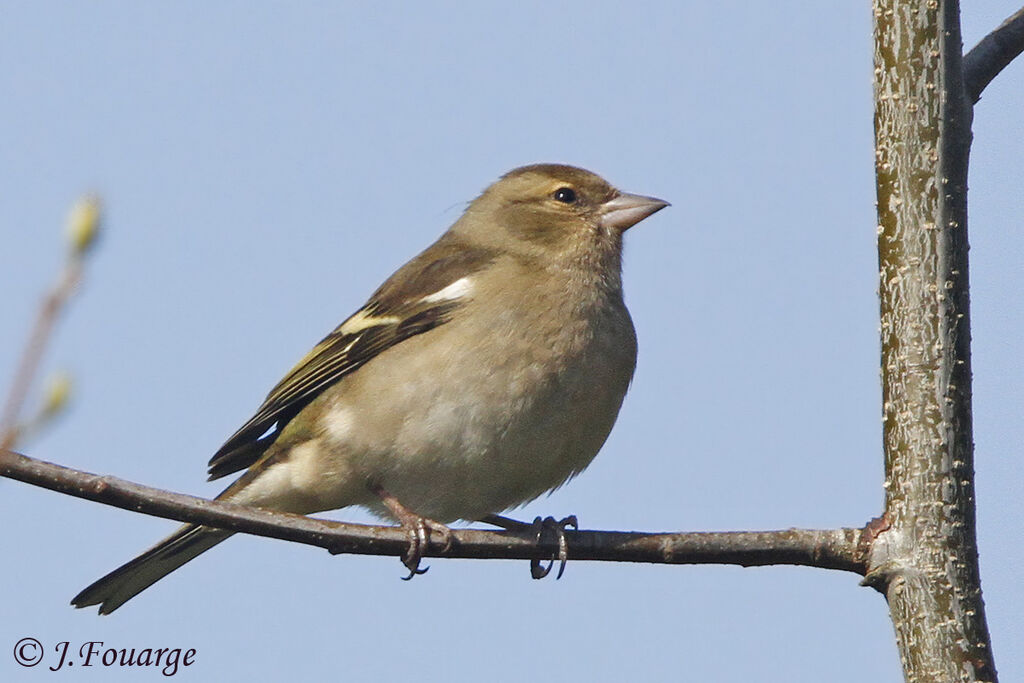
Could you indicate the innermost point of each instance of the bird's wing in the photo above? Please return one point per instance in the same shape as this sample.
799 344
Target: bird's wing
419 297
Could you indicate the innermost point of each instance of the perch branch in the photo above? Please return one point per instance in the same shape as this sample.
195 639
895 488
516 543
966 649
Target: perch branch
829 549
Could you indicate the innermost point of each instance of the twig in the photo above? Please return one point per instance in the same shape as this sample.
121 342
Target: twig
828 549
82 231
992 54
49 311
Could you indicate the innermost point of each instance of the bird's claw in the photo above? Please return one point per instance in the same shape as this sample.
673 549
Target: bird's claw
418 528
537 569
420 531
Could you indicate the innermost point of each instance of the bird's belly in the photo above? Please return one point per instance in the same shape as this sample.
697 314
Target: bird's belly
475 438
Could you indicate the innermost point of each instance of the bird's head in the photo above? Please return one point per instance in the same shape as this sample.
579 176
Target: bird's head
552 211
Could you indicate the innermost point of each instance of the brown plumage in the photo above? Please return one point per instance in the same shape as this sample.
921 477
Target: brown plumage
487 370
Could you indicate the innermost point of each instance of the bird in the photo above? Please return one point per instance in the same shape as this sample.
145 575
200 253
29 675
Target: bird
485 372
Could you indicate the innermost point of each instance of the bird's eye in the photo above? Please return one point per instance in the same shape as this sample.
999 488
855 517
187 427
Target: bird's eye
566 195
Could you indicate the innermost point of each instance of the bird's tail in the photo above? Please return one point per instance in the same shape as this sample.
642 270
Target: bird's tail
128 580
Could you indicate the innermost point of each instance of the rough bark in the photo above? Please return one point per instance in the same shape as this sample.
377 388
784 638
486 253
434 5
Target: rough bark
926 561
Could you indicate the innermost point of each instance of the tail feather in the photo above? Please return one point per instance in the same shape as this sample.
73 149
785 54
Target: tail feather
128 580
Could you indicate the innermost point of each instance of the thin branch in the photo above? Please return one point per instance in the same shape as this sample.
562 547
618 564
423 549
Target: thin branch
50 309
829 549
992 54
82 231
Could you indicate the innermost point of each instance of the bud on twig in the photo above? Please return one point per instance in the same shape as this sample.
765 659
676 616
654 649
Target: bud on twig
57 393
83 224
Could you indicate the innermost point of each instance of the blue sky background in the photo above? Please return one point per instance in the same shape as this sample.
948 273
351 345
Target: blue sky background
266 165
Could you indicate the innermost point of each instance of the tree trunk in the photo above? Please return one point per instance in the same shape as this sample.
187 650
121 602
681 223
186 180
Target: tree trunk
925 558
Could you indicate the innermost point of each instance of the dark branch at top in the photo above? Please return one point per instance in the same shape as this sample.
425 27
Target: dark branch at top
992 54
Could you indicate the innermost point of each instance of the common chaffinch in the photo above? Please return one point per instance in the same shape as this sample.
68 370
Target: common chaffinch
486 371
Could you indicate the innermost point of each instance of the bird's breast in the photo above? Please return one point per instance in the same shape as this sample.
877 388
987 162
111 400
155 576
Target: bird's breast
487 411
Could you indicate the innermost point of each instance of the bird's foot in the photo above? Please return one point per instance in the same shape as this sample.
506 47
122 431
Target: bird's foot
539 526
420 530
537 569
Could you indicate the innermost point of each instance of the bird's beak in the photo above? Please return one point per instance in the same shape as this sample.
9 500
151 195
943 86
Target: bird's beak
626 210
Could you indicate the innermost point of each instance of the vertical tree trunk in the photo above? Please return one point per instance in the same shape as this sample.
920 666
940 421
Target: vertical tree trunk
925 559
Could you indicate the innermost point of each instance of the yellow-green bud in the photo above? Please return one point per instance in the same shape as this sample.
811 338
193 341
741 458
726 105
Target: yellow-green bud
83 224
58 391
